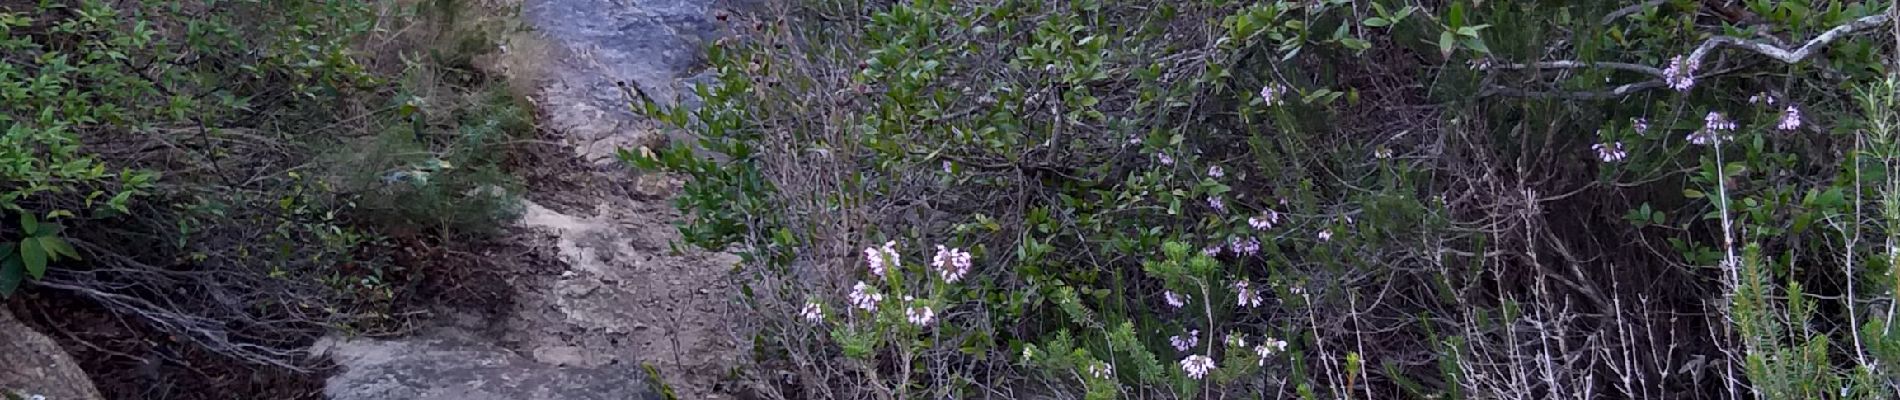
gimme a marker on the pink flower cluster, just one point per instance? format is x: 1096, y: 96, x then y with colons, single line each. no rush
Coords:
x: 1175, y: 300
x: 1712, y: 130
x: 1197, y: 366
x: 881, y: 258
x: 1270, y: 95
x: 1681, y: 73
x: 951, y: 263
x: 1244, y: 247
x: 1790, y: 119
x: 864, y: 297
x: 1185, y: 341
x: 1610, y: 152
x: 918, y: 315
x: 1265, y: 220
x: 1246, y: 295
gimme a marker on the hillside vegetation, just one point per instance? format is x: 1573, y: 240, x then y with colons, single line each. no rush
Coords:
x: 1306, y: 199
x: 228, y: 180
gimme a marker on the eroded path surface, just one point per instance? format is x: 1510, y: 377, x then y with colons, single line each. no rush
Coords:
x: 622, y: 296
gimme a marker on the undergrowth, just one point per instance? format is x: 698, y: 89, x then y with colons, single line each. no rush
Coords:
x: 1312, y: 199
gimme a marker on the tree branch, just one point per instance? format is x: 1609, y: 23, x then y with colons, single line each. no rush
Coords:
x: 1779, y: 53
x: 1626, y: 11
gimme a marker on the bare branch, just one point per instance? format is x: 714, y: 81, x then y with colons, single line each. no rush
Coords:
x: 1783, y: 54
x: 1566, y: 64
x: 1773, y: 51
x: 1626, y: 11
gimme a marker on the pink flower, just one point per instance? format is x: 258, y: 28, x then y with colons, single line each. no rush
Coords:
x: 1267, y: 347
x: 951, y: 263
x: 1164, y: 158
x: 920, y: 315
x: 1217, y: 204
x: 1247, y: 296
x: 1610, y: 152
x: 1197, y: 366
x: 1270, y: 95
x: 1215, y: 171
x: 864, y: 297
x: 1681, y: 74
x: 1246, y: 247
x: 1211, y: 251
x: 1265, y: 220
x: 1790, y: 119
x: 1175, y: 300
x: 1186, y: 341
x: 813, y: 312
x: 1640, y: 125
x: 1712, y: 127
x: 880, y: 259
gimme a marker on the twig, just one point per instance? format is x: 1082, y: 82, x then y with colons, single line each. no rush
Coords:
x: 1626, y: 11
x: 1644, y: 69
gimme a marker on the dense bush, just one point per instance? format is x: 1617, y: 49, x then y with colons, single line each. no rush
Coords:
x: 232, y: 172
x: 1322, y: 199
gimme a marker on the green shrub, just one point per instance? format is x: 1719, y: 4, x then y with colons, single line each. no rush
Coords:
x: 212, y: 161
x: 1425, y: 200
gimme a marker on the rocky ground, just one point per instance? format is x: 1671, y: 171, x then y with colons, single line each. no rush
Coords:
x: 623, y: 296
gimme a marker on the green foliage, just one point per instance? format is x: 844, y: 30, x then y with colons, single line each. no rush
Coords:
x: 1372, y: 183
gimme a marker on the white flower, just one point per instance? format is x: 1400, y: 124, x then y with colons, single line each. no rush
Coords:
x: 951, y: 263
x: 1247, y: 247
x: 1236, y: 340
x: 1640, y: 125
x: 1216, y: 172
x: 1197, y: 365
x: 1382, y: 153
x: 1102, y: 370
x: 920, y: 316
x: 1186, y: 341
x: 881, y: 258
x: 1175, y: 300
x: 36, y: 397
x: 1028, y: 353
x: 813, y: 312
x: 863, y: 297
x: 1790, y: 119
x: 1265, y: 220
x: 1164, y: 158
x: 1246, y: 295
x: 1610, y: 152
x: 1326, y: 235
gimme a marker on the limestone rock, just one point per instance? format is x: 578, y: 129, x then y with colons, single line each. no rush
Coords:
x: 443, y: 369
x: 32, y: 364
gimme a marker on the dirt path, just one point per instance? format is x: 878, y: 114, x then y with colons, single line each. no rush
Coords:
x: 623, y: 296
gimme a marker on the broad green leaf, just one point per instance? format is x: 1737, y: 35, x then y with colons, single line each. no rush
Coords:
x: 29, y: 224
x: 1445, y: 42
x: 34, y: 256
x: 58, y: 247
x: 11, y: 274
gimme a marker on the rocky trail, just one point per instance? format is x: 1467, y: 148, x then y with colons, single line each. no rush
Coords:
x: 621, y: 297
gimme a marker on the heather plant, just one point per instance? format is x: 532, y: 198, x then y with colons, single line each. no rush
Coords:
x: 1316, y: 199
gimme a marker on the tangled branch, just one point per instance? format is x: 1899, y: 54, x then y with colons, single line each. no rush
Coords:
x: 1779, y: 53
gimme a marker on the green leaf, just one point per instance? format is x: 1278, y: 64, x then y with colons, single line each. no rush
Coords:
x: 1445, y: 42
x: 1378, y: 22
x: 1692, y: 193
x: 58, y: 247
x: 11, y: 274
x: 34, y: 256
x: 29, y: 224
